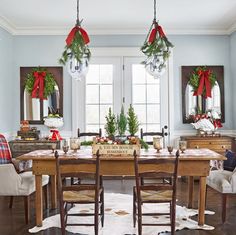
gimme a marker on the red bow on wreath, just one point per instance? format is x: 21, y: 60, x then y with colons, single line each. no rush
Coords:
x: 72, y: 33
x: 204, y: 81
x: 38, y: 88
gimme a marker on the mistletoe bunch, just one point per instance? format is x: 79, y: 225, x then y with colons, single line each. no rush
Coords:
x: 76, y: 46
x: 157, y: 45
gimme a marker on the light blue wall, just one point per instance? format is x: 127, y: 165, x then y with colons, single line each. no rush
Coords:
x: 201, y: 50
x: 188, y: 50
x: 6, y: 82
x: 233, y: 74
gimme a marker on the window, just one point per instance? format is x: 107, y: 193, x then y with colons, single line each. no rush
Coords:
x: 116, y: 80
x: 99, y: 95
x: 146, y: 98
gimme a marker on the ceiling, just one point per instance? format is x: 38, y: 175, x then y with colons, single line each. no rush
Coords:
x: 57, y: 17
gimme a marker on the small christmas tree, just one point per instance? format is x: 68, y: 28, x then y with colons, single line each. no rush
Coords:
x: 133, y: 123
x: 121, y: 122
x: 110, y: 126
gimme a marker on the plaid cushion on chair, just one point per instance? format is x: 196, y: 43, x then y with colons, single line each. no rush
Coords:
x: 5, y: 152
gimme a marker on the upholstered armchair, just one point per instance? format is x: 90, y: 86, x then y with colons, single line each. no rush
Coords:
x: 23, y: 184
x: 224, y: 182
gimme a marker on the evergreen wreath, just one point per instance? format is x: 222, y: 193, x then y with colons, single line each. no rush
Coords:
x: 195, y: 77
x: 49, y: 82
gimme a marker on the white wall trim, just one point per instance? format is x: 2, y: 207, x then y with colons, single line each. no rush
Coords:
x: 8, y: 26
x: 42, y: 30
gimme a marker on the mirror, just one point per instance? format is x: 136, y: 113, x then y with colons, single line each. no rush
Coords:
x: 190, y: 103
x: 33, y: 109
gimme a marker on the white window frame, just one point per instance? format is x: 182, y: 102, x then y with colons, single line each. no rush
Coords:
x: 78, y: 88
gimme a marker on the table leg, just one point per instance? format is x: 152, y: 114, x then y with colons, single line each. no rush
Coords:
x: 53, y: 191
x: 38, y: 200
x: 202, y: 200
x: 190, y: 191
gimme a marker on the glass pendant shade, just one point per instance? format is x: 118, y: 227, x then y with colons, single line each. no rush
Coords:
x: 155, y: 66
x: 78, y: 69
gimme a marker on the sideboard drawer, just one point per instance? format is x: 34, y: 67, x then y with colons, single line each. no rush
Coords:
x: 20, y: 147
x: 218, y: 144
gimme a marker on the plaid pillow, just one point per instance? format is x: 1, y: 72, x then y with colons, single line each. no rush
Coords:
x: 5, y: 153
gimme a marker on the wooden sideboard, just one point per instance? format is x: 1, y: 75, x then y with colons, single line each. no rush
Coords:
x: 216, y: 143
x: 20, y: 147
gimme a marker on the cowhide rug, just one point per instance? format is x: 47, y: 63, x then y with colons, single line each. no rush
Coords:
x: 118, y: 218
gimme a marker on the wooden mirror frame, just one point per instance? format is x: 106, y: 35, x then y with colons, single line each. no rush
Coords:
x: 57, y: 71
x: 219, y: 71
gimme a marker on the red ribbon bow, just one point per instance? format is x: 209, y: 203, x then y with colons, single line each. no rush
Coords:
x: 204, y: 81
x: 217, y: 123
x: 153, y: 34
x: 72, y: 33
x: 38, y: 88
x: 55, y: 135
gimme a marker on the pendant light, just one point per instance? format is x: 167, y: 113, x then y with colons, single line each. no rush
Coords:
x: 156, y: 48
x: 77, y: 54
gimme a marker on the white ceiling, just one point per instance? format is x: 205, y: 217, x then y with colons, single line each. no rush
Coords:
x: 57, y: 17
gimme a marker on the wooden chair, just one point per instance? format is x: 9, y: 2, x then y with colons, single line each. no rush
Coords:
x: 86, y: 193
x: 162, y: 134
x: 162, y: 192
x: 90, y: 134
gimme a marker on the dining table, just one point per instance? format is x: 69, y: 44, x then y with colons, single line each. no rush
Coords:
x: 192, y: 163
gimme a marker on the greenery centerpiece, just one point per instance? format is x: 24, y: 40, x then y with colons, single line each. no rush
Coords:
x: 121, y: 124
x: 133, y: 123
x: 110, y: 125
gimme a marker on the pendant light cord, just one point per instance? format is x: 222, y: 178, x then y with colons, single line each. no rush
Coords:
x: 155, y: 11
x: 77, y: 20
x: 154, y: 20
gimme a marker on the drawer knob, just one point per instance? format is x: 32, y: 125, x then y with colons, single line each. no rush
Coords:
x: 196, y: 147
x: 223, y: 146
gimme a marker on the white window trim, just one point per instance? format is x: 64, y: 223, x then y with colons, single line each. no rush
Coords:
x: 78, y: 87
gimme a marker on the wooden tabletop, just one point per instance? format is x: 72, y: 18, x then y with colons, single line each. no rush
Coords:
x: 189, y: 154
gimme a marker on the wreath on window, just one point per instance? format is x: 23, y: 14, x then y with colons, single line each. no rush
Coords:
x: 202, y: 80
x: 40, y: 83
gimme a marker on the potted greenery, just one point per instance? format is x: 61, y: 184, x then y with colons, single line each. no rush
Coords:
x: 110, y: 125
x: 133, y: 123
x: 121, y: 125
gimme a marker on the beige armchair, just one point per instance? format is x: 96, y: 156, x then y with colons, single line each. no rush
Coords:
x: 225, y: 183
x: 23, y: 184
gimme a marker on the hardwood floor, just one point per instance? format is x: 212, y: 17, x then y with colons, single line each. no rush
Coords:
x: 12, y: 220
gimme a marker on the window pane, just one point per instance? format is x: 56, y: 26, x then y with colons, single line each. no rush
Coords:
x: 139, y: 94
x: 106, y: 73
x: 153, y: 93
x: 106, y: 94
x: 104, y: 109
x: 154, y: 127
x: 92, y: 94
x: 92, y: 114
x: 151, y: 79
x: 93, y: 74
x: 140, y: 111
x: 138, y: 73
x: 153, y: 113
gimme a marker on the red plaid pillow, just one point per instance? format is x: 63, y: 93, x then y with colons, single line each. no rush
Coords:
x: 5, y: 152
